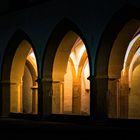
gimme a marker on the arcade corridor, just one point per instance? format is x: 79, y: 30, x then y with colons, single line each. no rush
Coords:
x: 69, y: 65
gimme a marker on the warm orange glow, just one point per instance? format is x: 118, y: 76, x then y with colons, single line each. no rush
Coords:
x: 71, y: 89
x: 68, y: 90
x: 22, y: 79
x: 132, y: 54
x: 130, y: 46
x: 135, y: 57
x: 86, y: 75
x: 76, y: 54
x: 85, y: 89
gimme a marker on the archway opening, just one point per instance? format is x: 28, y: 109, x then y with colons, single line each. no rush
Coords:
x: 123, y: 73
x: 23, y: 76
x: 70, y: 86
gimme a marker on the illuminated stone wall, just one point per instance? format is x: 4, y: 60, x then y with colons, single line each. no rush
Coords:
x: 68, y: 84
x: 27, y: 91
x: 85, y: 89
x: 123, y: 77
x: 21, y: 78
x: 134, y: 95
x: 72, y: 96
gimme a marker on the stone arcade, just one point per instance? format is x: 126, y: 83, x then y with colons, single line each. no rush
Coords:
x: 70, y: 58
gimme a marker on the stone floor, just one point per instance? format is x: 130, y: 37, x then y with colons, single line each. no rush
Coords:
x: 22, y: 128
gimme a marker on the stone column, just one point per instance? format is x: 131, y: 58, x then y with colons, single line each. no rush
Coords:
x: 45, y: 93
x: 99, y: 96
x: 113, y: 98
x: 40, y: 96
x: 16, y: 96
x: 92, y: 97
x: 76, y: 97
x: 124, y: 92
x: 124, y: 102
x: 5, y: 98
x: 20, y: 98
x: 61, y: 97
x: 34, y: 99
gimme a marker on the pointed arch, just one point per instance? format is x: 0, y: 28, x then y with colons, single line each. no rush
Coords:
x: 116, y: 25
x: 10, y: 50
x: 65, y: 33
x: 110, y: 57
x: 60, y: 30
x: 14, y: 49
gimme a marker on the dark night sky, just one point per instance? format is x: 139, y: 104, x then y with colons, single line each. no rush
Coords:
x: 8, y: 5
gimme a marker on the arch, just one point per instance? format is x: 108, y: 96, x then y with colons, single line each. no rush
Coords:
x: 131, y: 50
x: 61, y: 29
x: 32, y: 69
x: 107, y: 40
x: 136, y: 63
x: 29, y: 88
x: 12, y: 45
x: 120, y: 88
x: 18, y: 47
x: 65, y: 33
x: 120, y: 46
x: 62, y: 56
x: 110, y: 58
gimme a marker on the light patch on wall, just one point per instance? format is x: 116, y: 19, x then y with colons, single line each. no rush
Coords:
x: 129, y: 48
x: 86, y: 74
x: 31, y: 57
x: 76, y: 55
x: 135, y: 57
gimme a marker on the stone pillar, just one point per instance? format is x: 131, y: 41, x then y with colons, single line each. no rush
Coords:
x: 45, y: 97
x: 34, y: 99
x: 124, y: 92
x: 16, y: 96
x: 124, y: 103
x: 92, y: 97
x: 5, y: 98
x: 61, y: 97
x: 76, y: 100
x: 99, y: 97
x: 40, y: 96
x: 9, y: 103
x: 56, y: 97
x: 113, y: 98
x: 20, y: 98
